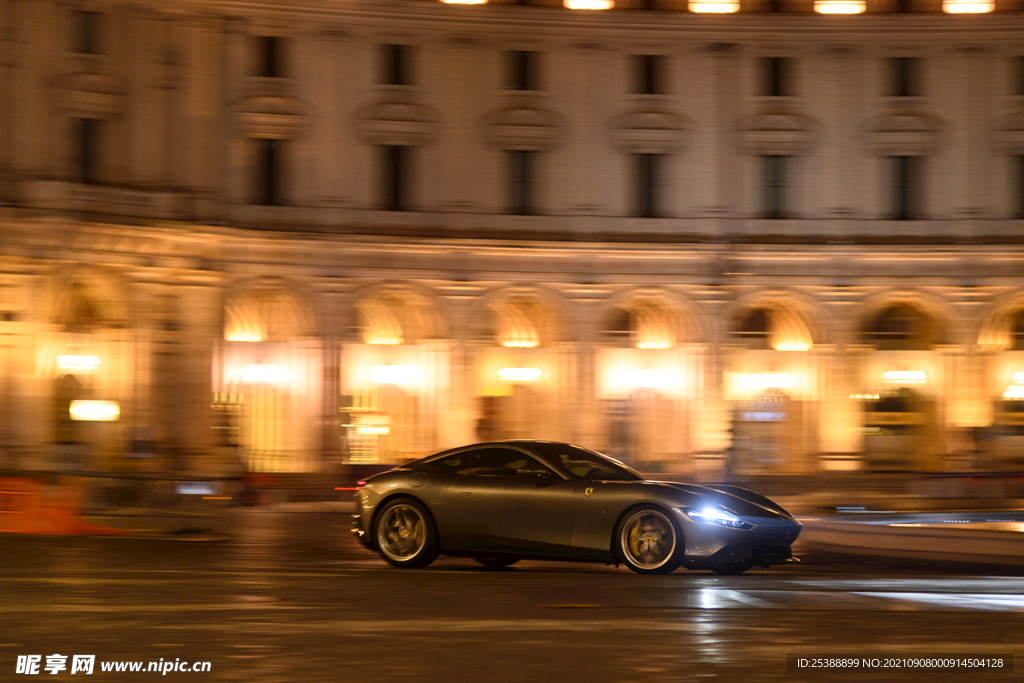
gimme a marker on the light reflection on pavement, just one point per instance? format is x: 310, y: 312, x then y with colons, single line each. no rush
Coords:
x: 290, y: 597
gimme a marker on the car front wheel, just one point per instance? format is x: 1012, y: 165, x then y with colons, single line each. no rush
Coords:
x: 405, y: 534
x: 649, y: 542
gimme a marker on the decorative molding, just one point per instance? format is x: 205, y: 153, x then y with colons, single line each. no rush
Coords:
x: 650, y: 131
x: 90, y: 95
x: 904, y: 134
x: 397, y: 122
x: 269, y: 111
x: 776, y: 133
x: 524, y: 126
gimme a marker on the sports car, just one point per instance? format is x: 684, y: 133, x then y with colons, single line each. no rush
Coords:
x: 503, y: 501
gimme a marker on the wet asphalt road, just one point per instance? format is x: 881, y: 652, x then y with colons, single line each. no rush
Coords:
x: 291, y: 597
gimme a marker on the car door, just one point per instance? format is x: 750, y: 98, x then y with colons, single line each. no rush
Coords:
x: 505, y: 504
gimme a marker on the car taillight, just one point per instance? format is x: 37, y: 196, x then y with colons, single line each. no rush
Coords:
x: 360, y: 485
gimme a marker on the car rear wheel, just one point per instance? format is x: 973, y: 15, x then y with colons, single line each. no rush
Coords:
x: 496, y: 562
x: 405, y: 534
x: 649, y: 542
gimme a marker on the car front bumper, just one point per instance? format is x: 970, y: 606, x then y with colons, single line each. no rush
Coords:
x: 767, y: 542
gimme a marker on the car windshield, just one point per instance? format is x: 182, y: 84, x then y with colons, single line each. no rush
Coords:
x: 584, y: 464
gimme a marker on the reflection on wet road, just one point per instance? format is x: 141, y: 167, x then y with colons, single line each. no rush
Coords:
x: 290, y: 597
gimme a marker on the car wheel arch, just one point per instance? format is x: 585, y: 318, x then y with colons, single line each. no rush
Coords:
x: 384, y: 502
x: 680, y: 538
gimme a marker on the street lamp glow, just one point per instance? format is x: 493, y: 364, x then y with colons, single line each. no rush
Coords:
x: 839, y: 6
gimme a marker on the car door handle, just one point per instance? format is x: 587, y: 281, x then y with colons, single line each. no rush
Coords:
x: 465, y: 494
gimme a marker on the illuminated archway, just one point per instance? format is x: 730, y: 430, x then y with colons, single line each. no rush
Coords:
x: 395, y: 375
x: 88, y: 356
x: 268, y: 382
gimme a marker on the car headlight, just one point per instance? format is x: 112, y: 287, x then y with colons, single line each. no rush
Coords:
x: 716, y: 515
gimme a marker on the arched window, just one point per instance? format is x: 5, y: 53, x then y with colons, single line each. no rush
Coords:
x: 901, y: 327
x: 754, y: 328
x: 645, y: 324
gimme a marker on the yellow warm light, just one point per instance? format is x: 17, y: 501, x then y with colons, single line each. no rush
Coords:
x: 792, y: 346
x: 95, y: 411
x: 774, y: 380
x: 590, y: 4
x: 370, y: 430
x: 520, y: 374
x: 904, y: 376
x: 78, y: 362
x: 393, y: 374
x: 715, y: 7
x: 967, y: 7
x: 520, y: 343
x: 391, y: 341
x: 244, y: 336
x: 1014, y: 392
x: 646, y: 379
x: 1018, y: 378
x: 864, y: 397
x: 660, y: 344
x: 264, y: 373
x: 464, y: 2
x: 839, y: 6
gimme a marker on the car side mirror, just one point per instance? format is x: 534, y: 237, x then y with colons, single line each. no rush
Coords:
x: 532, y: 474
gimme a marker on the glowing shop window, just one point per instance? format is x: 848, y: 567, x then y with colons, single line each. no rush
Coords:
x: 590, y: 4
x: 967, y: 7
x: 839, y: 6
x: 904, y: 377
x: 264, y: 373
x: 95, y: 411
x: 520, y: 374
x: 79, y: 363
x: 393, y: 374
x: 715, y: 7
x: 647, y: 379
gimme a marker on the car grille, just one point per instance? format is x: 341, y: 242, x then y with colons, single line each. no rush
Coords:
x: 776, y: 535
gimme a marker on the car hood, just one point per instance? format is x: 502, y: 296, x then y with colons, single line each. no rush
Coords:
x: 735, y: 499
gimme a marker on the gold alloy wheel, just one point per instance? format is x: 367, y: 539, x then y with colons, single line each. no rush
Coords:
x: 402, y: 532
x: 648, y: 539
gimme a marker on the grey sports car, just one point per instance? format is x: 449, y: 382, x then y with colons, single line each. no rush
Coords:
x: 504, y: 501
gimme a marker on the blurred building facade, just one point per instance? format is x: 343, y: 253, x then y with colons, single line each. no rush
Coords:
x: 329, y: 231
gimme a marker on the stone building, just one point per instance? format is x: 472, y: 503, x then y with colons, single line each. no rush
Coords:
x: 321, y: 231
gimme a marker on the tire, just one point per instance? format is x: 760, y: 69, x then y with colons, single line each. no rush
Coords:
x: 496, y: 562
x: 404, y: 534
x: 649, y: 541
x: 732, y: 569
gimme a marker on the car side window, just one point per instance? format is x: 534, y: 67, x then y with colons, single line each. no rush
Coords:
x: 457, y: 463
x: 503, y: 462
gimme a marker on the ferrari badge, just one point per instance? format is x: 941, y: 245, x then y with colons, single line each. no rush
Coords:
x: 588, y: 491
